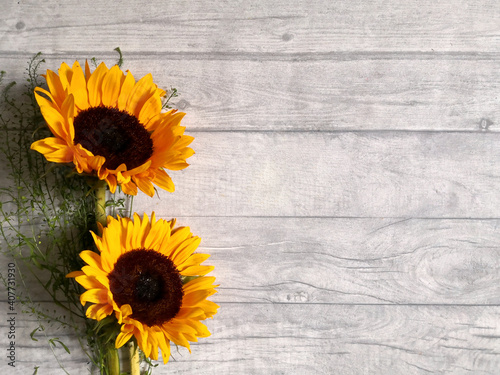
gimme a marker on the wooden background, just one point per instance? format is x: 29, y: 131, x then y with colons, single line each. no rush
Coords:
x: 346, y: 178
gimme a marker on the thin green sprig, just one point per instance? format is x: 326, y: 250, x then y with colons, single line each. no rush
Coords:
x: 47, y: 214
x: 172, y: 93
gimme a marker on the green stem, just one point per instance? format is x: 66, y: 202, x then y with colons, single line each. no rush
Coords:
x: 134, y: 359
x: 100, y: 204
x: 112, y: 361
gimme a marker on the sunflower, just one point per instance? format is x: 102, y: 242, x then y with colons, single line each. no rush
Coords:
x: 113, y: 127
x: 139, y: 276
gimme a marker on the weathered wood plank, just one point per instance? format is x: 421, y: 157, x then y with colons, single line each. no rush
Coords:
x: 393, y: 94
x: 256, y: 27
x: 314, y: 339
x: 364, y: 74
x: 346, y: 261
x: 353, y: 261
x: 337, y: 175
x: 390, y: 174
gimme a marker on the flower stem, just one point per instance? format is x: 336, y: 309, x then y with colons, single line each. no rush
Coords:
x: 134, y: 359
x: 100, y: 203
x: 112, y: 361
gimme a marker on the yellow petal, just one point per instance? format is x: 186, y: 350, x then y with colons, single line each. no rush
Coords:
x: 111, y: 86
x: 179, y: 235
x: 94, y: 85
x: 185, y: 141
x: 193, y: 298
x: 65, y: 74
x: 156, y: 235
x: 122, y: 339
x: 55, y: 87
x: 52, y: 102
x: 180, y: 325
x: 189, y: 312
x: 78, y: 87
x: 61, y: 154
x: 87, y: 71
x: 111, y: 240
x: 95, y: 296
x: 104, y: 311
x: 89, y: 282
x: 124, y: 312
x: 200, y: 328
x: 129, y: 188
x: 160, y: 92
x: 176, y: 336
x: 92, y: 259
x: 96, y: 163
x: 81, y: 157
x: 163, y: 140
x: 163, y: 180
x: 74, y: 274
x: 55, y: 121
x: 209, y: 307
x: 137, y: 237
x: 145, y: 185
x: 164, y: 345
x: 141, y: 168
x: 150, y: 109
x: 96, y: 272
x: 126, y: 89
x: 111, y: 180
x: 130, y: 232
x: 68, y: 112
x: 49, y: 146
x: 197, y: 270
x: 141, y: 92
x: 92, y: 311
x: 97, y: 240
x: 185, y: 250
x: 193, y: 260
x: 142, y: 341
x: 200, y: 283
x: 176, y: 166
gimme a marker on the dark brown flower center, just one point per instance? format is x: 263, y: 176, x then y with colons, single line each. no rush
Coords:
x: 150, y: 283
x: 114, y: 134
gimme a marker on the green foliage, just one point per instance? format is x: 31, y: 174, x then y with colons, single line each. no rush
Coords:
x: 47, y: 212
x: 172, y: 93
x: 120, y: 59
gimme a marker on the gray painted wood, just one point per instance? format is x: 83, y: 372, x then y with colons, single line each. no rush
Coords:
x: 348, y: 261
x: 369, y: 93
x: 347, y: 174
x: 257, y: 338
x: 379, y: 174
x: 256, y: 26
x: 345, y: 179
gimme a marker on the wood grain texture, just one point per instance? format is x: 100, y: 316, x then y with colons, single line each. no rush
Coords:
x: 315, y: 339
x: 345, y: 180
x: 377, y: 93
x: 367, y: 174
x: 337, y: 175
x: 257, y: 26
x: 346, y: 261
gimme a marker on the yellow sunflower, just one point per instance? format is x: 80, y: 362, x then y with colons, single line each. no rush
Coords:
x: 138, y: 277
x: 113, y: 127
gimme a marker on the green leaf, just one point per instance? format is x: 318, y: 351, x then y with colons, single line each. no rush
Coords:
x: 32, y: 334
x: 56, y: 340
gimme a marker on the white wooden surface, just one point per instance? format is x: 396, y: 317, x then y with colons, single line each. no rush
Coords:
x: 346, y: 178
